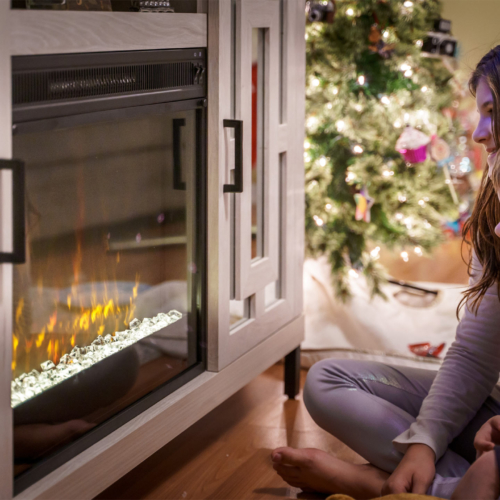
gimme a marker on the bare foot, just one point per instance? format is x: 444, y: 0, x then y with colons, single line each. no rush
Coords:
x: 314, y: 470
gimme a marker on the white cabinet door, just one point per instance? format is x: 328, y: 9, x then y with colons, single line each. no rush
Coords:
x: 255, y: 167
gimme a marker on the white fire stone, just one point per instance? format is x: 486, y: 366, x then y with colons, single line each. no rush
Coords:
x: 33, y: 383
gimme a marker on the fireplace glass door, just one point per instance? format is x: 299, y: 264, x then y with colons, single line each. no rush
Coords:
x: 107, y: 305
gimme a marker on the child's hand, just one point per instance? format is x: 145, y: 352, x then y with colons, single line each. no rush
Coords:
x: 488, y: 436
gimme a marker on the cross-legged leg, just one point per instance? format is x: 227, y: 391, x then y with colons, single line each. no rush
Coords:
x: 366, y: 405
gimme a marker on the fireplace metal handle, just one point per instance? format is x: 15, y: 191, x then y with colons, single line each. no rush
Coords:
x: 18, y: 256
x: 237, y: 187
x: 179, y: 184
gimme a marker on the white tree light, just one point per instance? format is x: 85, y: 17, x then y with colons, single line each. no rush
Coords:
x: 350, y: 177
x: 318, y: 220
x: 361, y: 79
x: 357, y: 149
x: 340, y: 125
x: 405, y: 256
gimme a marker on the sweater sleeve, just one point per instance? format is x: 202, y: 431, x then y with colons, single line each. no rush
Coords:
x: 467, y: 376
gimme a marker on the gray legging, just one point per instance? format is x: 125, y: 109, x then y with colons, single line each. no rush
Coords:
x: 367, y: 404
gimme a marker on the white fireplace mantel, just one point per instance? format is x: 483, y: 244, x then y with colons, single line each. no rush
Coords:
x: 61, y: 32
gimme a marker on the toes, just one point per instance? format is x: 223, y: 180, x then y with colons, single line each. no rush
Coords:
x: 291, y: 456
x: 276, y: 454
x: 287, y: 471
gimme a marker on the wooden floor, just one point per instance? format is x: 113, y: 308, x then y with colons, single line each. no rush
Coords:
x: 226, y: 455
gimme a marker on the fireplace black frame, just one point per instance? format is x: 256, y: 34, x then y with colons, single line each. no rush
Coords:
x: 46, y: 117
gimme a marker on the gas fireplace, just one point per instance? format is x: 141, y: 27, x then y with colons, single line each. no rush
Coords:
x: 109, y: 284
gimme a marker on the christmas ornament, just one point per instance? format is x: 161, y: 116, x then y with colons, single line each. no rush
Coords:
x: 377, y: 43
x: 439, y: 149
x: 412, y: 144
x: 364, y: 203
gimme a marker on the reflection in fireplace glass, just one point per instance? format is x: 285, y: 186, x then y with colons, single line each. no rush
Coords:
x: 104, y: 307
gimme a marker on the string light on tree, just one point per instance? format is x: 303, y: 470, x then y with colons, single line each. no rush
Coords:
x: 350, y: 12
x: 357, y: 149
x: 361, y: 79
x: 405, y: 256
x: 350, y: 177
x: 418, y: 251
x: 340, y: 125
x: 319, y: 221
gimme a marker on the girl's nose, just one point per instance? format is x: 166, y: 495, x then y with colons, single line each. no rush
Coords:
x: 482, y: 134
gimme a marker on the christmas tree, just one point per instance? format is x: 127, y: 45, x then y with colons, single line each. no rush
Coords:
x: 368, y: 84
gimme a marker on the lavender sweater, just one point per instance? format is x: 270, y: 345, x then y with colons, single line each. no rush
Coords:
x: 467, y: 376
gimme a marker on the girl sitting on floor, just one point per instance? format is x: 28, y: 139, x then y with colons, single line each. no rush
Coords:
x: 416, y: 428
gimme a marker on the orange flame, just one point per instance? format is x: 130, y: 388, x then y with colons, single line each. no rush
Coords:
x: 39, y: 339
x: 56, y: 352
x: 28, y: 344
x: 52, y: 322
x: 19, y: 309
x: 15, y: 343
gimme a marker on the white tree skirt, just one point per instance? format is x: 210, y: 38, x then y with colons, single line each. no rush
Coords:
x: 375, y: 329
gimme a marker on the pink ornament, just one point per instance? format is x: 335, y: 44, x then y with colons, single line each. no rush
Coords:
x: 412, y: 144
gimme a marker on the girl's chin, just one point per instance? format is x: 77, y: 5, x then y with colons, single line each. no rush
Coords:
x: 492, y: 160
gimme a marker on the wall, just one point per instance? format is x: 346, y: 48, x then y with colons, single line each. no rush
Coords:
x: 476, y: 25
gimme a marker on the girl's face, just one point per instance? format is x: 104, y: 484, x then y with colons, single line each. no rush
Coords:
x: 483, y: 133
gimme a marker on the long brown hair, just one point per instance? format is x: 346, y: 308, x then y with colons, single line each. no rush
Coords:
x: 479, y: 230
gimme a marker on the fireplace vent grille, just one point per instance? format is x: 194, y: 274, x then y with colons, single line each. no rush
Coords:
x: 56, y: 85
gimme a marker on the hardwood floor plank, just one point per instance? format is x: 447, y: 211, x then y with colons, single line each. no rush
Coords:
x: 226, y: 455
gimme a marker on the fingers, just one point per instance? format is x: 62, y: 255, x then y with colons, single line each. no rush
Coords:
x: 394, y: 486
x: 484, y: 445
x: 420, y: 485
